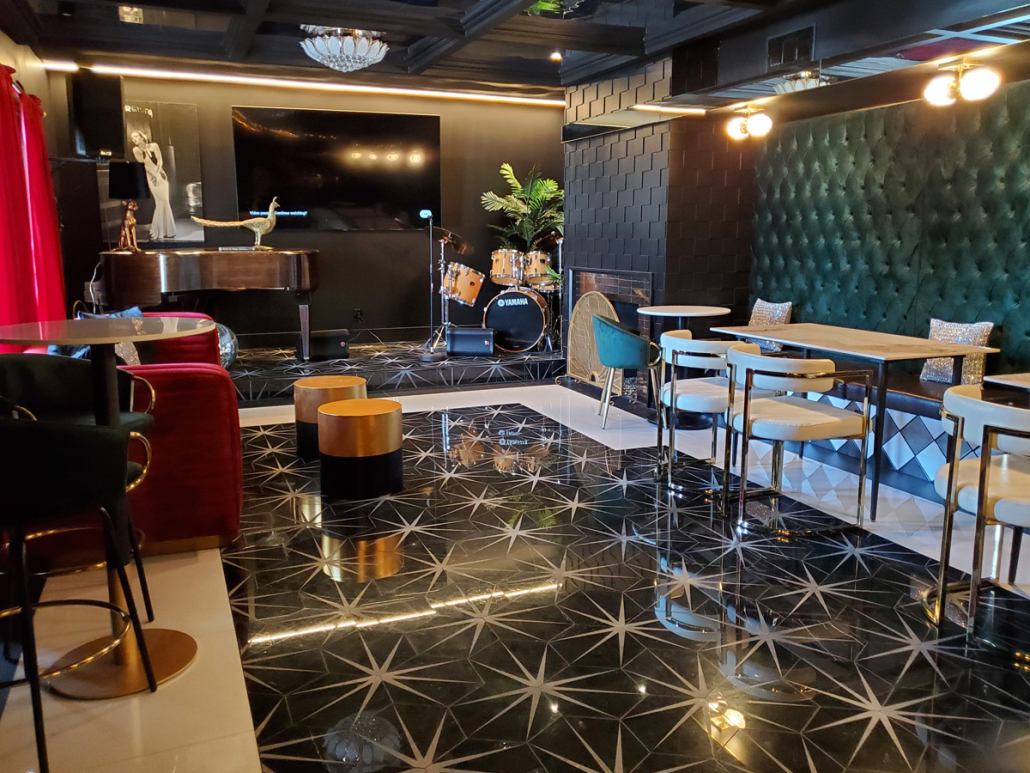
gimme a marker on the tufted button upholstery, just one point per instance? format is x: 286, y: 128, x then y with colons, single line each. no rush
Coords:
x: 882, y: 219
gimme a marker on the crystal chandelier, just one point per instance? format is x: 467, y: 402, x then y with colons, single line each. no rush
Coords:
x: 801, y: 81
x: 342, y: 49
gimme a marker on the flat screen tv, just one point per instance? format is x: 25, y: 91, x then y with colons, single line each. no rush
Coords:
x: 337, y: 171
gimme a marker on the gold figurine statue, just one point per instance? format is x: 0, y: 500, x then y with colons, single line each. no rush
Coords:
x: 127, y: 238
x: 259, y: 225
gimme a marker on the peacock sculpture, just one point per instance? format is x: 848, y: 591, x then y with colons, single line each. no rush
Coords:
x: 259, y: 225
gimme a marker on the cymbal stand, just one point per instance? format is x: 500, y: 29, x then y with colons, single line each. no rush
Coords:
x: 433, y: 353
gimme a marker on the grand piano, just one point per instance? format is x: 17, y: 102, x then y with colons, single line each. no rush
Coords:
x: 146, y: 277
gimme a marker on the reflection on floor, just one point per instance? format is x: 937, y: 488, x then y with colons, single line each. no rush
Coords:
x: 268, y: 374
x: 532, y: 603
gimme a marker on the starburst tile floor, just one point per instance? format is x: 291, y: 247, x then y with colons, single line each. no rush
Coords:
x: 531, y: 603
x: 268, y: 374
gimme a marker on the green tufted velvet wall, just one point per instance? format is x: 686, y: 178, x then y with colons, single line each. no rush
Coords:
x: 884, y: 218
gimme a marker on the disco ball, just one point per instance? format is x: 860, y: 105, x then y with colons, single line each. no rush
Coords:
x: 361, y: 744
x: 228, y: 346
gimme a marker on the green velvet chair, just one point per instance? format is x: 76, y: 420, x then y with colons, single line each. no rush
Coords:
x: 49, y: 470
x: 60, y: 389
x: 620, y: 347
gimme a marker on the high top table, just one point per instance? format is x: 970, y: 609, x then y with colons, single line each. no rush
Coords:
x: 121, y: 671
x: 881, y: 349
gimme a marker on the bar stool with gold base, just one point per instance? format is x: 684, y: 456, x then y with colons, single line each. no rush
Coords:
x: 359, y: 443
x: 48, y: 470
x: 310, y: 394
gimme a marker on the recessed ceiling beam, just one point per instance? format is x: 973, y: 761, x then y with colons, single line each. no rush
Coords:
x: 242, y: 30
x: 482, y: 17
x: 569, y: 35
x: 381, y: 16
x: 212, y: 7
x: 19, y: 21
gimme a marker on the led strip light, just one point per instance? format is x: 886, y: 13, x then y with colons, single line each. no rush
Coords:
x: 293, y: 83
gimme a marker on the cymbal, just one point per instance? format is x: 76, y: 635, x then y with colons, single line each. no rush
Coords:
x: 550, y: 241
x: 452, y: 239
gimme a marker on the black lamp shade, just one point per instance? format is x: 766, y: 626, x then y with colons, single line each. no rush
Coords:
x: 128, y: 181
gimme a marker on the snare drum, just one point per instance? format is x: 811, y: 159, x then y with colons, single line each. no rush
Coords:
x: 537, y: 265
x: 462, y: 284
x: 507, y: 267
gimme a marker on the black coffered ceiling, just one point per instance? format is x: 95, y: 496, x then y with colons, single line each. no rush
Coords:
x: 500, y: 44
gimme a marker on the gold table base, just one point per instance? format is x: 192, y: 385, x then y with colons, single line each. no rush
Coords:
x: 171, y: 652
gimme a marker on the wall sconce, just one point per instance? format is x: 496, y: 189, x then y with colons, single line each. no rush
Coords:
x: 970, y: 81
x: 752, y: 123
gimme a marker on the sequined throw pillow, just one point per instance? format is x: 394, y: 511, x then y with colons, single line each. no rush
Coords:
x: 974, y: 334
x: 765, y: 313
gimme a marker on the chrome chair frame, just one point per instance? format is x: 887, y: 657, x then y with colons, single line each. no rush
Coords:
x: 777, y: 468
x: 671, y: 419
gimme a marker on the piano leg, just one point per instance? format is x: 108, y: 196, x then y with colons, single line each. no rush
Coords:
x: 304, y: 301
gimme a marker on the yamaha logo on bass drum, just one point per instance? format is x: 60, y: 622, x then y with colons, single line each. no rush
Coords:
x: 513, y: 301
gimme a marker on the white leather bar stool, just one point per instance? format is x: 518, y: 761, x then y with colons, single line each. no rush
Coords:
x: 792, y: 417
x: 995, y: 487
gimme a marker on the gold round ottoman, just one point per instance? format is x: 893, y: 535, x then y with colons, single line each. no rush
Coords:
x: 359, y: 444
x: 309, y: 394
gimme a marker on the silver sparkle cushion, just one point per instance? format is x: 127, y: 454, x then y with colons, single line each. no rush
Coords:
x: 765, y: 313
x: 974, y: 334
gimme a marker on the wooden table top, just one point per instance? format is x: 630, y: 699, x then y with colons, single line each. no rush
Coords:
x: 103, y: 330
x: 1014, y: 380
x: 851, y: 342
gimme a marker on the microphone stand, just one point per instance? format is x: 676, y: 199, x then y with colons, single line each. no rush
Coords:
x: 431, y: 353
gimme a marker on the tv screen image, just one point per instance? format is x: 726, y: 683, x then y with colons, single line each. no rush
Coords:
x: 337, y: 171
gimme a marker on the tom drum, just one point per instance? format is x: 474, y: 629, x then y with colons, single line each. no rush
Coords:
x: 462, y: 284
x: 507, y: 267
x: 538, y: 266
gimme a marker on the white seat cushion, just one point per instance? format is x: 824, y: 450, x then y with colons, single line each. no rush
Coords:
x: 706, y: 395
x: 1008, y: 488
x: 797, y: 419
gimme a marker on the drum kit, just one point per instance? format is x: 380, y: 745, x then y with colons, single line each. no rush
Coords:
x: 522, y: 315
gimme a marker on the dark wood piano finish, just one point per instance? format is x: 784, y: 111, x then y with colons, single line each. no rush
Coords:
x: 145, y: 277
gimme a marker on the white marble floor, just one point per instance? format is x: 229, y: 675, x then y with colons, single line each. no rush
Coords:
x: 201, y: 722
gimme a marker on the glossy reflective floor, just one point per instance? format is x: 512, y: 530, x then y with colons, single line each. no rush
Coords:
x: 531, y: 603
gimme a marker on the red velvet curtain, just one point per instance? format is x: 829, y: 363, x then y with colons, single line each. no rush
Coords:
x: 31, y: 281
x: 17, y: 283
x: 48, y: 271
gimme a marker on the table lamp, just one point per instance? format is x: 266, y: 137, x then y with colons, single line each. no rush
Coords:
x: 127, y: 180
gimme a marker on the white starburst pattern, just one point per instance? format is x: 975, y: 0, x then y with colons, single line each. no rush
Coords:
x: 478, y: 617
x: 891, y: 716
x: 435, y: 568
x: 428, y: 761
x: 534, y: 686
x: 762, y: 634
x: 511, y: 532
x: 915, y: 646
x: 618, y: 628
x: 617, y: 766
x: 808, y: 587
x: 373, y: 676
x: 562, y: 576
x: 690, y: 698
x: 484, y: 498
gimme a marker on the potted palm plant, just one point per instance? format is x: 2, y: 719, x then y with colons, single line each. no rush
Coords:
x: 533, y: 209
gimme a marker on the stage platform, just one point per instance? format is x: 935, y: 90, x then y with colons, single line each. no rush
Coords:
x: 264, y: 376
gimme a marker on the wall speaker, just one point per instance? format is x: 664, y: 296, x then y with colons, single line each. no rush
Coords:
x: 96, y: 117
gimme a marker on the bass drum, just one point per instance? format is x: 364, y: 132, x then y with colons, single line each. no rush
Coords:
x: 519, y: 319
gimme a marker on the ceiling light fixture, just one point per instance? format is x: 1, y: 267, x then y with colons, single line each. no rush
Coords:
x: 295, y: 84
x: 557, y: 55
x: 343, y: 50
x: 805, y: 80
x: 752, y: 123
x: 671, y: 110
x: 971, y: 81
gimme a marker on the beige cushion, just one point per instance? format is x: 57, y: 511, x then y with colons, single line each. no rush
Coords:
x: 1008, y: 488
x: 706, y: 395
x: 797, y: 419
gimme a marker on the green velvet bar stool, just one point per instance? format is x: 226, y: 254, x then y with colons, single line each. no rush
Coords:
x: 620, y: 347
x: 49, y: 470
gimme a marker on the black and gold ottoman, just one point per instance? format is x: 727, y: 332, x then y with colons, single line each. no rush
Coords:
x: 310, y: 394
x: 359, y: 443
